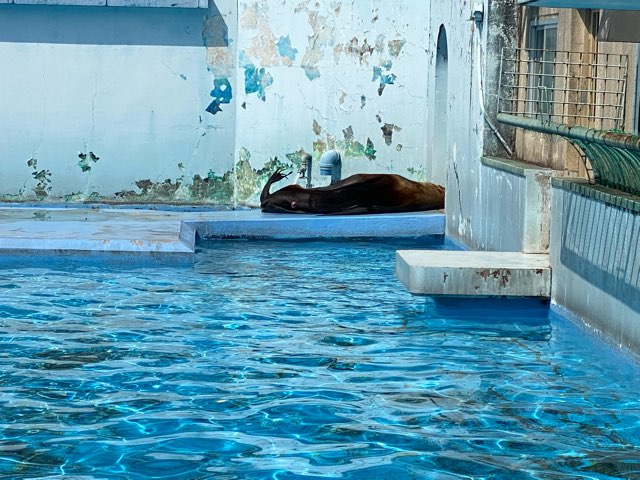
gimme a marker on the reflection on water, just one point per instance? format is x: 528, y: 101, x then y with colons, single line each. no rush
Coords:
x: 298, y: 360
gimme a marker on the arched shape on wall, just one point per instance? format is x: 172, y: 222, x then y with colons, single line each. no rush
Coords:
x: 440, y: 138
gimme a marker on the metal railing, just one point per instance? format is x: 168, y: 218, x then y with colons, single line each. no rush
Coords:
x: 571, y: 88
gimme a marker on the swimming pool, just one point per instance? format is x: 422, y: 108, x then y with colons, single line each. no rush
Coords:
x: 298, y: 360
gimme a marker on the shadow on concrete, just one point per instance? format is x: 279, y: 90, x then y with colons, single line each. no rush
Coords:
x: 75, y: 25
x: 601, y: 243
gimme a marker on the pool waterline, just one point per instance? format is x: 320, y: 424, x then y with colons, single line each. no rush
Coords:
x: 298, y: 360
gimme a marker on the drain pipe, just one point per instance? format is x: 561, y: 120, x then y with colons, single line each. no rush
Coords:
x: 331, y: 164
x: 478, y: 17
x: 307, y: 162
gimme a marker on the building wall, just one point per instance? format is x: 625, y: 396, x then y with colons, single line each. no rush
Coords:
x: 594, y: 254
x: 108, y: 102
x: 199, y: 106
x: 473, y: 81
x: 576, y: 33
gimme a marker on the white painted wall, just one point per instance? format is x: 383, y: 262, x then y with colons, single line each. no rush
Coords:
x: 130, y: 85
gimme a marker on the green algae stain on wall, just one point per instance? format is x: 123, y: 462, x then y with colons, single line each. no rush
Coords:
x: 250, y: 181
x: 216, y: 189
x: 353, y: 148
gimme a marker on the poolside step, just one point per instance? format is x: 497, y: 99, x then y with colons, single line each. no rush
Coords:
x: 465, y: 273
x: 127, y: 234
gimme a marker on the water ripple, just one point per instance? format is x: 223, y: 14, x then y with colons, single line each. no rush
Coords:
x: 298, y: 361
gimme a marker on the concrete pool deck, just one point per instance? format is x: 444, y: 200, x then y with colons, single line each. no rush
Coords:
x: 170, y: 234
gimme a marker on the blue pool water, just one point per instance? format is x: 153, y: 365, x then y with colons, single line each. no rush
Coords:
x: 282, y: 360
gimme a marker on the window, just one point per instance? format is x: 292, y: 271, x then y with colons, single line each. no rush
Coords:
x: 543, y: 43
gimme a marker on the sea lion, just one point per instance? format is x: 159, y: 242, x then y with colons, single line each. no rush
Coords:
x: 358, y: 194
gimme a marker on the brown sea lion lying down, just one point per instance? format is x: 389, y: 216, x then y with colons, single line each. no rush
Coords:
x: 357, y: 194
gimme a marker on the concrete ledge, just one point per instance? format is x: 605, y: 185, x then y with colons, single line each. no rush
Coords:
x: 606, y: 195
x: 516, y: 201
x: 516, y: 167
x: 292, y: 226
x: 471, y: 273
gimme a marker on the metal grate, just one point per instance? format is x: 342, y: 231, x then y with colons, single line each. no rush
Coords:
x: 572, y: 88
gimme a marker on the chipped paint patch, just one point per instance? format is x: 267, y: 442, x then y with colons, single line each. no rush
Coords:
x: 87, y: 160
x: 395, y: 47
x: 212, y: 188
x: 219, y: 56
x: 221, y: 93
x: 316, y: 128
x: 353, y: 148
x: 419, y: 174
x: 387, y: 132
x: 363, y: 52
x: 285, y: 49
x: 322, y: 36
x: 249, y: 181
x: 256, y: 80
x: 249, y: 16
x: 43, y: 179
x: 383, y: 78
x: 296, y: 157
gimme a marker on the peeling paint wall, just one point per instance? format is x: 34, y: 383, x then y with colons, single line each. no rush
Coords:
x: 116, y: 104
x: 132, y: 105
x: 350, y: 76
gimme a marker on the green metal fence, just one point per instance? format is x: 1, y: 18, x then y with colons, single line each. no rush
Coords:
x: 614, y: 157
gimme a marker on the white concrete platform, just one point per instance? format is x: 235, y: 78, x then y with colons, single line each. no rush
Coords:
x: 469, y: 273
x: 172, y: 233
